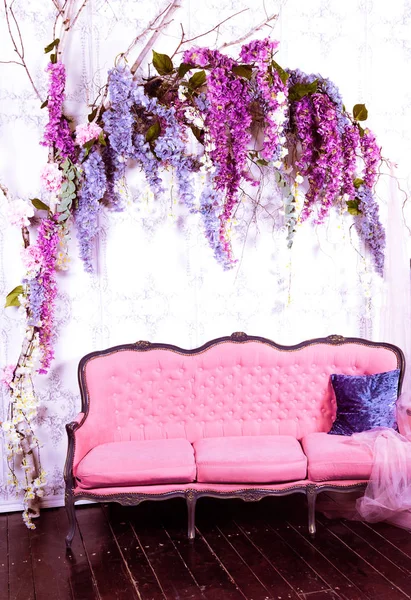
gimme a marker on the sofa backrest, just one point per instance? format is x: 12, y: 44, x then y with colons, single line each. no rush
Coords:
x: 237, y: 385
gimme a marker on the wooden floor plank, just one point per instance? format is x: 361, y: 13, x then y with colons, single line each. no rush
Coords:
x: 172, y: 573
x: 205, y: 565
x: 50, y: 569
x: 333, y: 575
x: 79, y: 573
x: 292, y: 567
x: 4, y: 558
x: 140, y: 569
x: 356, y: 569
x: 324, y: 595
x: 275, y: 584
x: 383, y: 546
x: 400, y: 538
x: 21, y: 582
x: 400, y: 581
x: 109, y: 570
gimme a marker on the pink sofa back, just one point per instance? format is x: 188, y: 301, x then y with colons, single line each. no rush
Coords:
x: 225, y: 388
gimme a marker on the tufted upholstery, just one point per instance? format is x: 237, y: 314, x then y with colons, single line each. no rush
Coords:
x: 228, y: 389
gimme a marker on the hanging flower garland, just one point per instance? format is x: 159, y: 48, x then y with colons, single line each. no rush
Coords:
x: 210, y: 115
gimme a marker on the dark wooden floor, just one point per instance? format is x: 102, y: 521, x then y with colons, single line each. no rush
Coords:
x: 258, y: 551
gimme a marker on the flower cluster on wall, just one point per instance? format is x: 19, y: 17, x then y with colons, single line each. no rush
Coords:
x: 235, y: 122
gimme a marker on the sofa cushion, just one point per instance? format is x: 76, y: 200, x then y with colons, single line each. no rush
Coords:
x: 137, y: 462
x: 336, y: 457
x: 365, y: 401
x: 250, y: 459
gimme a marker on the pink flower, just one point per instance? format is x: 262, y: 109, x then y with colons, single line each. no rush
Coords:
x: 32, y: 259
x: 85, y: 132
x: 51, y: 177
x: 7, y: 375
x: 19, y: 213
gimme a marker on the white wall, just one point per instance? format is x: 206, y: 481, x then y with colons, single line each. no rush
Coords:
x: 156, y: 277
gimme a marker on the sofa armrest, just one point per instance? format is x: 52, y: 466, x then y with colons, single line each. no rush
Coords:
x: 71, y: 434
x: 404, y: 420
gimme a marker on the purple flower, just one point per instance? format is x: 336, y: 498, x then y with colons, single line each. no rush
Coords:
x: 369, y: 226
x: 57, y: 131
x: 92, y: 191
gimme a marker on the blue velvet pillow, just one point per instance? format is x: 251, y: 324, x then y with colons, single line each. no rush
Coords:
x: 365, y: 401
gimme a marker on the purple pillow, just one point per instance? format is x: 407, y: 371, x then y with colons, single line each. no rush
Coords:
x: 365, y: 401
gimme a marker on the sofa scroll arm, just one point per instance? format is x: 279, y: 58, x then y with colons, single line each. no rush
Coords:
x: 69, y: 476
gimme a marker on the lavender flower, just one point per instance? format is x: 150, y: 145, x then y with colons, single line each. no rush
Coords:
x: 92, y: 191
x: 369, y: 226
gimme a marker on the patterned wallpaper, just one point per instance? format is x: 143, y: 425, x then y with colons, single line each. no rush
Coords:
x: 155, y: 276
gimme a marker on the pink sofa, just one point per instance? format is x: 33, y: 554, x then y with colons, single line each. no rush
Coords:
x: 240, y: 417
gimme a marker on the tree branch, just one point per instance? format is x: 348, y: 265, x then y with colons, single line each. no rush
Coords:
x: 166, y: 20
x: 183, y: 41
x: 250, y: 32
x: 19, y: 51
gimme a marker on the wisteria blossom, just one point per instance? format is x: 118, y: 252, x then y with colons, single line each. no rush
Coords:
x: 57, y: 132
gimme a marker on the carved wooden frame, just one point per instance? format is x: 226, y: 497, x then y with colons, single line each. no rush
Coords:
x: 191, y: 496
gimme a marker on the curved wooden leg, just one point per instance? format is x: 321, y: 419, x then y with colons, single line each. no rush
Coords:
x: 71, y: 515
x: 311, y: 497
x: 191, y: 509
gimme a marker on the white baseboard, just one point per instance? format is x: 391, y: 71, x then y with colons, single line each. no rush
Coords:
x: 56, y: 502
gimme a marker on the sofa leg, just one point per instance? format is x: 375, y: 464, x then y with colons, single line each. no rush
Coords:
x: 191, y: 509
x: 311, y: 497
x: 71, y: 515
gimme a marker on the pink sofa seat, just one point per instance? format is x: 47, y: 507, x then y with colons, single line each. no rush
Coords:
x: 250, y: 459
x: 137, y: 463
x: 335, y: 457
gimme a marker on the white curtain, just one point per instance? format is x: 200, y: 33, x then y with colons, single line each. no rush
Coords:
x: 156, y: 278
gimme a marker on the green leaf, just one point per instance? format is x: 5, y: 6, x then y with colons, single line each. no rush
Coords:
x: 51, y: 46
x: 184, y: 68
x: 153, y: 132
x: 283, y: 74
x: 64, y: 205
x: 360, y: 113
x: 101, y: 139
x: 162, y: 63
x: 53, y: 58
x: 197, y: 80
x: 71, y: 175
x: 352, y: 207
x: 262, y: 162
x: 299, y: 90
x: 39, y: 204
x: 92, y: 115
x: 45, y: 103
x: 71, y: 187
x: 88, y: 145
x: 243, y: 71
x: 198, y: 133
x: 12, y: 297
x: 63, y: 216
x: 358, y: 182
x: 361, y: 130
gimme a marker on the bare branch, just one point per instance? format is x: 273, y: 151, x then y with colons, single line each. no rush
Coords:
x: 173, y: 7
x: 144, y: 33
x: 207, y: 32
x: 250, y: 32
x: 19, y: 51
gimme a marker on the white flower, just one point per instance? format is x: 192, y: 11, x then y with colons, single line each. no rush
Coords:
x: 281, y: 97
x: 277, y: 164
x: 299, y: 179
x: 284, y: 152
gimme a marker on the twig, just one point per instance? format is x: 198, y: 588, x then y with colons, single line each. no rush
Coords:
x: 183, y: 41
x: 144, y: 33
x: 249, y: 33
x: 20, y: 52
x: 174, y: 6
